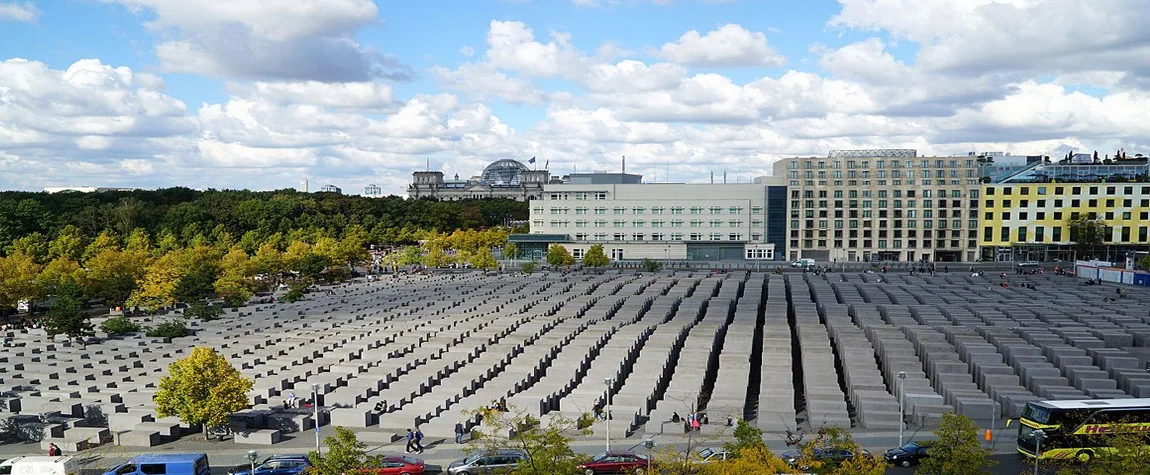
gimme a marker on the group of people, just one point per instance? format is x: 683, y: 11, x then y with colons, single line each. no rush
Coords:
x: 293, y: 402
x: 694, y: 420
x: 415, y: 441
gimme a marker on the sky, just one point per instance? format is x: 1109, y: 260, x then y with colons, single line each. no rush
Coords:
x: 260, y: 94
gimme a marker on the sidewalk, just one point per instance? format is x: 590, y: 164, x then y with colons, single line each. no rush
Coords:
x: 441, y: 452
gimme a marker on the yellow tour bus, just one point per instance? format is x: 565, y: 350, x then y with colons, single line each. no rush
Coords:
x: 1076, y: 429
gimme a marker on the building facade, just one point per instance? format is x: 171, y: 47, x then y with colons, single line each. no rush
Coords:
x: 331, y: 189
x: 372, y: 191
x: 501, y: 179
x: 881, y: 205
x: 1028, y: 218
x: 697, y: 222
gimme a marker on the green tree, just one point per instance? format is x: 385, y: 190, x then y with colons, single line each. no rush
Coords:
x: 557, y: 255
x: 484, y: 259
x: 235, y: 284
x: 105, y: 240
x: 56, y: 272
x: 18, y: 273
x: 651, y: 265
x: 510, y: 251
x: 200, y: 266
x: 528, y: 268
x: 1086, y: 234
x: 595, y: 257
x: 34, y: 245
x: 113, y: 274
x: 345, y: 454
x: 547, y: 445
x: 956, y: 449
x: 69, y: 243
x: 312, y: 266
x: 202, y: 389
x: 66, y: 315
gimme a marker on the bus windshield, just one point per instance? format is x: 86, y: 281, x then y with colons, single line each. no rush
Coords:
x: 1037, y: 414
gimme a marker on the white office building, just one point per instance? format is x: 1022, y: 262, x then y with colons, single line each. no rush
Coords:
x: 698, y: 222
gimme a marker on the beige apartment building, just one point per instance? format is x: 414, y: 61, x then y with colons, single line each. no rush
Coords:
x: 881, y: 205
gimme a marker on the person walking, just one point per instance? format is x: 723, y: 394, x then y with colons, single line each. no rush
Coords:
x: 410, y: 441
x: 458, y: 432
x: 53, y: 450
x: 418, y: 440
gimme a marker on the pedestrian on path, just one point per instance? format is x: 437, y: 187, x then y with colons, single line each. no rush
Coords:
x: 458, y: 432
x: 410, y: 441
x: 418, y: 440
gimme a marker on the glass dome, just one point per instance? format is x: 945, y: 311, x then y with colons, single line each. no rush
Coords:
x: 504, y: 172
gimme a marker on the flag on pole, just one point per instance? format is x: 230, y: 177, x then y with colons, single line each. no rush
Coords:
x: 532, y: 160
x: 546, y: 164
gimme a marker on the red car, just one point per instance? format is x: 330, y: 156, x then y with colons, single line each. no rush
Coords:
x: 396, y: 465
x: 615, y: 462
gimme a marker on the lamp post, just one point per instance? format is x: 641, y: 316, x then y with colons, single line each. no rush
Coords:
x: 1038, y: 436
x: 315, y: 406
x: 252, y: 456
x: 901, y: 405
x: 607, y: 383
x: 649, y: 443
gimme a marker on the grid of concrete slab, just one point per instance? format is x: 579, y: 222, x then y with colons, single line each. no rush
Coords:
x: 784, y: 351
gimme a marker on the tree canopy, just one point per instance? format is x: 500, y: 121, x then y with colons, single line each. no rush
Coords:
x: 595, y: 257
x: 547, y: 444
x: 956, y: 449
x: 202, y: 388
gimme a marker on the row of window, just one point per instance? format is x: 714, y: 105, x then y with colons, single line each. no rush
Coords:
x: 1074, y: 203
x: 882, y: 223
x: 656, y: 210
x: 882, y: 174
x: 1039, y: 234
x: 675, y: 223
x: 1057, y: 215
x: 579, y: 195
x: 880, y: 164
x: 640, y: 237
x: 884, y: 193
x: 897, y: 203
x: 883, y: 234
x: 895, y: 182
x: 1074, y: 190
x: 883, y: 243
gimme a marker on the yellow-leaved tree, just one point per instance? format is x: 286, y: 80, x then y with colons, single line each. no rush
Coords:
x: 202, y: 389
x: 235, y: 284
x: 158, y: 288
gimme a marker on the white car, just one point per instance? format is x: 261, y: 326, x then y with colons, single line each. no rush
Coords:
x: 804, y: 262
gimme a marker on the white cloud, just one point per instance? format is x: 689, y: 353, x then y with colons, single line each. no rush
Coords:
x: 467, y: 51
x: 730, y: 45
x: 17, y: 11
x: 483, y: 81
x: 258, y: 39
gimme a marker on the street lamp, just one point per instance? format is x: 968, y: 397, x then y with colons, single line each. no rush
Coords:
x: 315, y: 405
x: 1038, y: 436
x: 649, y: 443
x: 901, y: 405
x: 607, y: 383
x: 252, y: 456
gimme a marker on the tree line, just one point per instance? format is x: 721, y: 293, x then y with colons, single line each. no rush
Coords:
x: 247, y: 216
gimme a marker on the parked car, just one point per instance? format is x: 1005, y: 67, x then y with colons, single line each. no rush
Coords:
x: 285, y: 464
x: 499, y: 461
x: 829, y: 456
x: 804, y: 262
x: 40, y: 465
x: 168, y: 464
x: 615, y: 462
x: 395, y: 465
x: 908, y: 455
x: 711, y: 455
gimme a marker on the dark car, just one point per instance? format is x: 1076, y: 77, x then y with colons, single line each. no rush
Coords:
x: 395, y: 465
x: 292, y: 464
x: 829, y: 456
x: 615, y: 462
x: 908, y: 455
x: 499, y: 461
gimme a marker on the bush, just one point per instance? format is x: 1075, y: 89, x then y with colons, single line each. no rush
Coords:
x: 168, y: 329
x: 119, y: 326
x: 203, y: 311
x: 652, y: 266
x: 584, y: 421
x: 529, y: 268
x: 296, y: 289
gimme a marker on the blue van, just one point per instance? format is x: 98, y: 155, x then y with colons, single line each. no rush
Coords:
x: 164, y: 464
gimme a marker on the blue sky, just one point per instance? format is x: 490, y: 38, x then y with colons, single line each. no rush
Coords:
x: 202, y: 93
